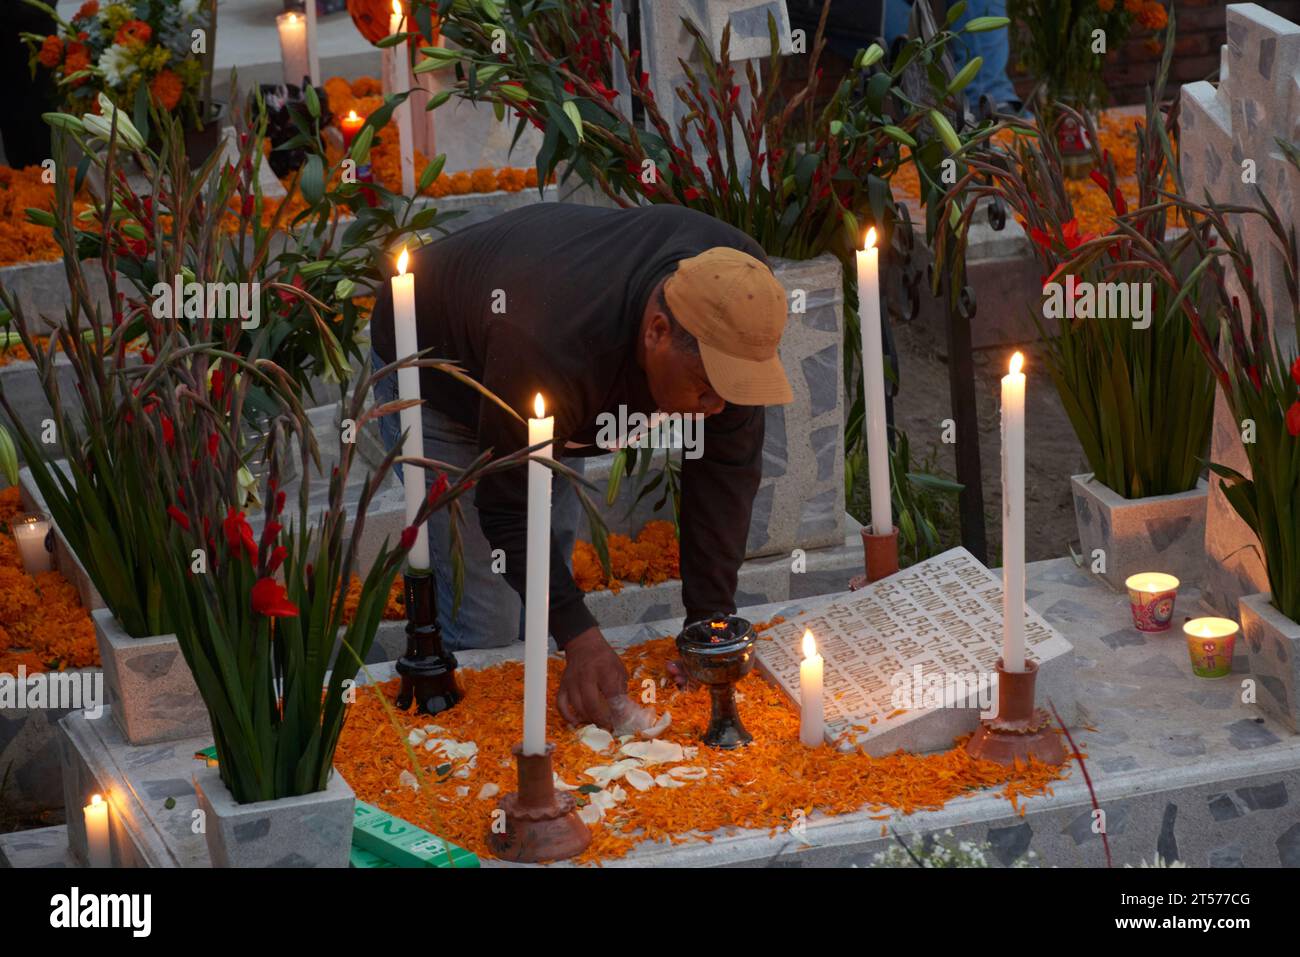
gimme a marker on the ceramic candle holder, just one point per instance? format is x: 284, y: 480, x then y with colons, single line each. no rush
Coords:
x: 1210, y: 643
x: 1151, y: 598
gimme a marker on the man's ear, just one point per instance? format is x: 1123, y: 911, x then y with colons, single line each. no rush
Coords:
x: 658, y: 329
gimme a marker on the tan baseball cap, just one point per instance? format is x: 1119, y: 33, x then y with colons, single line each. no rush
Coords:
x: 734, y: 307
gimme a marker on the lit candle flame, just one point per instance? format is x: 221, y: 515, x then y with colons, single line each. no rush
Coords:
x: 293, y: 18
x: 809, y: 644
x: 539, y: 407
x: 870, y: 241
x: 96, y: 799
x: 397, y: 8
x: 1017, y: 363
x: 402, y: 260
x: 352, y: 116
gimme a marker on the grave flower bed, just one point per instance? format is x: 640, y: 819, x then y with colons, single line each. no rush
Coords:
x: 1092, y: 207
x: 694, y: 793
x: 364, y: 96
x: 22, y: 241
x: 651, y: 558
x: 42, y: 622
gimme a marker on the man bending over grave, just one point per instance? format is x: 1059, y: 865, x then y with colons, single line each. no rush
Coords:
x: 606, y: 313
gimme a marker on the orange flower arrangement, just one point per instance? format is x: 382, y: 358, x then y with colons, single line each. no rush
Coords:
x: 167, y: 88
x: 652, y: 558
x: 87, y: 10
x: 77, y: 58
x: 133, y: 32
x: 42, y: 622
x: 761, y: 786
x: 51, y: 52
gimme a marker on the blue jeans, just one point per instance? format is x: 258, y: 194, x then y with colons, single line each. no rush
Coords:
x: 491, y: 612
x: 994, y: 46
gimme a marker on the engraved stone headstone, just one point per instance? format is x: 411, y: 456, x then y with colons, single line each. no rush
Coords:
x: 1228, y: 133
x: 939, y: 620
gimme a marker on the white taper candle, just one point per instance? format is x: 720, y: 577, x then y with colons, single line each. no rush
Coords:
x: 537, y: 592
x: 406, y: 343
x: 873, y: 384
x: 1013, y: 516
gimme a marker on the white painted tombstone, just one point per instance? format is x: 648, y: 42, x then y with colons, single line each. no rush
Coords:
x: 1224, y: 131
x: 942, y: 616
x: 665, y: 42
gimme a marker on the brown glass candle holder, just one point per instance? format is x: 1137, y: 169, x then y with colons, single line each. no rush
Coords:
x: 428, y: 671
x: 718, y: 652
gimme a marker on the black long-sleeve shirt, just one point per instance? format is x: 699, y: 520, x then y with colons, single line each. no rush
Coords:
x: 550, y: 298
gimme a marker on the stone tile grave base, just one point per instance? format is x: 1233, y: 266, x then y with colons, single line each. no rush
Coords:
x: 1180, y: 765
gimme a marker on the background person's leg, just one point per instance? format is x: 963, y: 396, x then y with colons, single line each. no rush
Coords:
x: 488, y: 615
x: 994, y: 46
x: 566, y: 516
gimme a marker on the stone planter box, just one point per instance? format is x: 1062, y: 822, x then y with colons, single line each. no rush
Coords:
x: 312, y: 830
x: 149, y: 685
x: 1160, y: 533
x: 1273, y: 649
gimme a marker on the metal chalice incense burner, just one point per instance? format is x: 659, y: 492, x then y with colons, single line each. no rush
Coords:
x: 718, y: 652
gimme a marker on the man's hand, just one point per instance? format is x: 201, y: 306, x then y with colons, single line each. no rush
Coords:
x: 593, y: 673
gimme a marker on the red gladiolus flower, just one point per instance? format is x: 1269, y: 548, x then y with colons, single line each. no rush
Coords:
x: 1293, y: 419
x: 218, y: 383
x: 690, y: 194
x: 1254, y: 378
x: 1295, y: 370
x: 178, y: 517
x: 269, y: 532
x: 168, y: 432
x: 1070, y: 232
x: 214, y: 440
x: 239, y: 533
x: 270, y: 599
x: 278, y: 555
x: 439, y: 487
x: 408, y: 537
x: 289, y: 297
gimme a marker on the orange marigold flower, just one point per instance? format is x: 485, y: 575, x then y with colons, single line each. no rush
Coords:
x: 87, y: 10
x: 461, y: 183
x: 367, y: 86
x: 1133, y: 6
x: 167, y: 88
x: 51, y: 52
x: 1153, y: 16
x: 483, y: 180
x: 133, y: 32
x: 76, y: 59
x: 530, y: 178
x: 511, y: 180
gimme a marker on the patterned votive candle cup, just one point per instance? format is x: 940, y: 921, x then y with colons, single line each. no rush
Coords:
x: 1209, y: 644
x: 1151, y: 597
